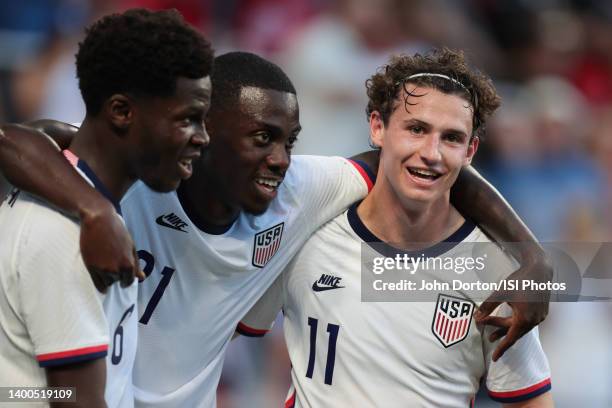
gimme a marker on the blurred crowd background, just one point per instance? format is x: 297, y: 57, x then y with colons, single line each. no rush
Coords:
x: 548, y: 149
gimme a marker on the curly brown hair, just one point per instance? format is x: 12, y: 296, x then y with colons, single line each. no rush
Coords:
x: 384, y: 87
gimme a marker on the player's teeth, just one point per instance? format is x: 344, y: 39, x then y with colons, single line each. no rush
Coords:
x: 268, y: 183
x: 424, y: 173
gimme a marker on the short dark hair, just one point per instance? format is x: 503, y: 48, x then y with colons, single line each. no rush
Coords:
x: 236, y: 70
x: 385, y: 86
x: 140, y: 52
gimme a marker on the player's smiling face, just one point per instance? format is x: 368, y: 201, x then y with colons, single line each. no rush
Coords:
x: 250, y: 147
x: 169, y: 134
x: 424, y: 145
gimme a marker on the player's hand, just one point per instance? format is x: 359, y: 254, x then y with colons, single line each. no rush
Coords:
x: 107, y: 248
x: 529, y: 308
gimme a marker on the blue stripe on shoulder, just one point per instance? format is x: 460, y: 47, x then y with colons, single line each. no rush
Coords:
x: 519, y: 398
x: 72, y: 360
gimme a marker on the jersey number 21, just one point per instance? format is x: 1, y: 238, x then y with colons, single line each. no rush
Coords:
x: 166, y: 273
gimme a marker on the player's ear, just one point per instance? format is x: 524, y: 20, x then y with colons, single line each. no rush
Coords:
x: 471, y: 150
x: 119, y: 109
x: 377, y: 129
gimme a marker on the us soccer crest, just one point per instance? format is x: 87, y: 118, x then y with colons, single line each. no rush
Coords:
x: 452, y: 318
x: 266, y: 244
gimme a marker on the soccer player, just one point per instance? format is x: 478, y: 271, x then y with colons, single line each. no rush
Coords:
x: 145, y: 80
x: 213, y: 248
x: 425, y: 114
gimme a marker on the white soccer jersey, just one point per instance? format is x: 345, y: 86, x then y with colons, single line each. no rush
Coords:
x: 200, y: 285
x: 50, y: 312
x: 349, y: 353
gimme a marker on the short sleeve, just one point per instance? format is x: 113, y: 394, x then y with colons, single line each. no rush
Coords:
x: 328, y: 185
x: 522, y: 372
x: 260, y: 319
x: 60, y: 306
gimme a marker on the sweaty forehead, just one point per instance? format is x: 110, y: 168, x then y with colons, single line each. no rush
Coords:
x: 261, y: 102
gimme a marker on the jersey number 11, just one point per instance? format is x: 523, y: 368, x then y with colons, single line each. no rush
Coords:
x: 333, y: 330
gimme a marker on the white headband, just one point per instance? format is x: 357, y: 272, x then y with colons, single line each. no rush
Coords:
x: 431, y: 74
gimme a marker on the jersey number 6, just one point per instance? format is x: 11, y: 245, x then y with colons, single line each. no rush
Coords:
x: 118, y: 337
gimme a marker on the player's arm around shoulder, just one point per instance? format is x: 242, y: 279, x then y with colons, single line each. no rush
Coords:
x: 31, y: 161
x: 476, y: 198
x: 541, y: 401
x: 325, y: 186
x: 61, y: 133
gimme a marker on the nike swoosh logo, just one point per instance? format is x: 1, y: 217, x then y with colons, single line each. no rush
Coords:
x: 160, y: 220
x: 318, y: 288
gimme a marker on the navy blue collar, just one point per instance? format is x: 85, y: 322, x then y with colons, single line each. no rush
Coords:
x: 389, y: 251
x: 84, y: 167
